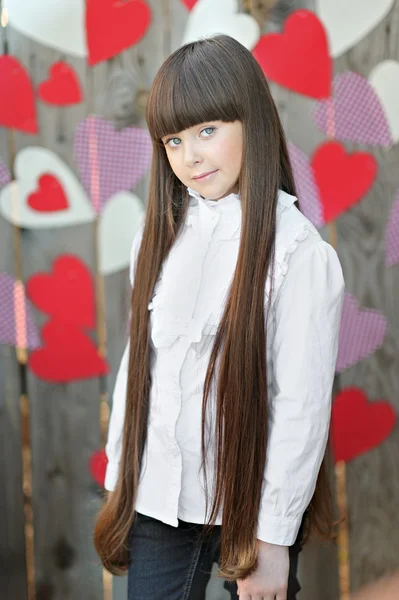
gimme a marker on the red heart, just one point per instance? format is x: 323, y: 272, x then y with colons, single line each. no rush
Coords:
x: 98, y: 466
x: 114, y: 25
x: 66, y: 294
x: 67, y: 355
x: 357, y: 425
x: 17, y: 102
x: 50, y: 197
x: 298, y: 58
x: 342, y: 179
x: 62, y: 87
x: 189, y: 3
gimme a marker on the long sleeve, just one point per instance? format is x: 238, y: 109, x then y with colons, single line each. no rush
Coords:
x: 113, y: 447
x: 307, y: 313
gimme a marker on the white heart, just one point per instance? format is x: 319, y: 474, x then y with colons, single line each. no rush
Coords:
x: 210, y: 17
x: 121, y: 218
x: 349, y: 21
x: 55, y: 23
x: 385, y: 80
x: 30, y: 164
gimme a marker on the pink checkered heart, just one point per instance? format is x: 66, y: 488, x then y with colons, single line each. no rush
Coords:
x: 17, y: 325
x: 110, y: 161
x: 353, y: 113
x: 392, y: 235
x: 308, y: 194
x: 5, y: 176
x: 362, y: 332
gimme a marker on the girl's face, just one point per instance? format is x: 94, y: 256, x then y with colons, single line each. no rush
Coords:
x: 213, y: 148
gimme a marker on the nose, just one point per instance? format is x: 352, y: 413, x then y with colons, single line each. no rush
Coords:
x: 192, y: 156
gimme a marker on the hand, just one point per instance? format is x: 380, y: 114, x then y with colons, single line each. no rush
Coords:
x: 270, y: 579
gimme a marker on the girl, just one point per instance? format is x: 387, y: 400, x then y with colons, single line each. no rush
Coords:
x: 222, y: 398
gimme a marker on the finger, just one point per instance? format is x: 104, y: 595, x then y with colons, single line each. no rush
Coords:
x: 282, y: 595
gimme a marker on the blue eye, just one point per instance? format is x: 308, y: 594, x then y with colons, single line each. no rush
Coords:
x: 171, y: 140
x: 212, y: 129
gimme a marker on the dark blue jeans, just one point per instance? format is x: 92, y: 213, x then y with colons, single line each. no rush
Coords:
x: 168, y: 563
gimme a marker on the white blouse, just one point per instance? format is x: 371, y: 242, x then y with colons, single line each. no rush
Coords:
x: 303, y: 330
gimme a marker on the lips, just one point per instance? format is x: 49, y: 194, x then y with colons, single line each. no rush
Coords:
x: 204, y: 175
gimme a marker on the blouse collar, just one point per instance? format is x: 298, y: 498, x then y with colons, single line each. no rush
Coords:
x: 232, y: 201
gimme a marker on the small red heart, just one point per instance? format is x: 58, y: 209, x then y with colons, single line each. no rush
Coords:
x: 66, y: 294
x: 67, y: 355
x: 17, y: 101
x: 342, y: 179
x: 50, y: 196
x: 62, y: 87
x: 358, y: 425
x: 114, y: 25
x: 189, y: 3
x: 98, y: 466
x: 298, y: 58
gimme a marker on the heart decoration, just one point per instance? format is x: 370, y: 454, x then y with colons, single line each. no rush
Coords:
x: 98, y: 465
x: 343, y: 179
x: 56, y: 293
x: 362, y: 332
x: 209, y: 17
x: 354, y: 113
x: 349, y: 22
x: 67, y: 355
x: 358, y: 425
x: 17, y: 324
x: 392, y: 235
x: 332, y: 181
x: 53, y: 25
x: 298, y: 58
x: 121, y: 158
x: 62, y: 87
x: 57, y: 200
x: 113, y: 26
x: 189, y: 3
x: 5, y: 175
x: 123, y: 214
x: 50, y: 195
x: 384, y: 78
x: 17, y: 102
x: 308, y: 193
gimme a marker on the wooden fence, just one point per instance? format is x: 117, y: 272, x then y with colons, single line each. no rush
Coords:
x: 48, y: 432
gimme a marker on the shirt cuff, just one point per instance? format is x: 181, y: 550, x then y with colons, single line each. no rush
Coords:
x: 111, y: 476
x: 282, y: 531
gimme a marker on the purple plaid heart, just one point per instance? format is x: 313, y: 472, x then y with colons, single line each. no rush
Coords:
x: 110, y: 161
x: 5, y: 176
x: 362, y: 333
x: 308, y: 194
x: 392, y: 235
x: 17, y: 326
x: 353, y: 113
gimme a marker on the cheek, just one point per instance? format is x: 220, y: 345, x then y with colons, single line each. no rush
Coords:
x: 231, y: 153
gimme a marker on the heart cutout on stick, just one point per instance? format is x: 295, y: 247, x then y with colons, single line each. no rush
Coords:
x: 114, y: 26
x: 30, y: 165
x: 123, y: 214
x: 62, y: 87
x: 362, y: 332
x: 55, y: 294
x: 50, y: 195
x: 67, y: 355
x: 358, y: 425
x: 297, y: 58
x: 392, y: 235
x: 189, y: 3
x: 5, y: 176
x: 52, y: 24
x: 119, y: 161
x: 17, y: 101
x: 349, y: 22
x: 384, y: 78
x: 98, y: 466
x: 209, y: 17
x: 354, y: 113
x: 17, y: 324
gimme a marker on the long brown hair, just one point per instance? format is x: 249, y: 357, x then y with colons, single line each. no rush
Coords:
x: 212, y: 79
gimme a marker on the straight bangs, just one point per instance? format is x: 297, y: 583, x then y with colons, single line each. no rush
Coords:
x: 179, y: 99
